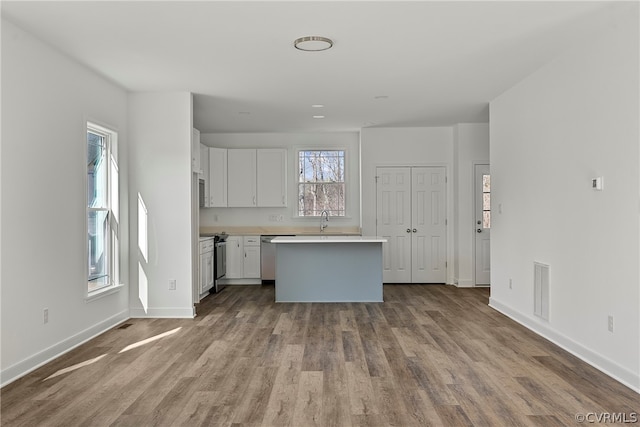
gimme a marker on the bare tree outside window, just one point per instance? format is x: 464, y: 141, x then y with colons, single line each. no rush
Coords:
x: 321, y: 185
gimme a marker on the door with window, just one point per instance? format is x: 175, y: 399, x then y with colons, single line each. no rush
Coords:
x: 410, y: 214
x: 482, y: 225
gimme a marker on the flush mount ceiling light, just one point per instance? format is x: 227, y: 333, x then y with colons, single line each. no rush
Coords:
x: 312, y: 43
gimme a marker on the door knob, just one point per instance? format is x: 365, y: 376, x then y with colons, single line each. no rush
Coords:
x: 479, y: 222
x: 414, y: 230
x: 408, y: 230
x: 479, y: 230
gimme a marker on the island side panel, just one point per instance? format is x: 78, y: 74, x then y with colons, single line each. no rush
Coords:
x: 329, y: 272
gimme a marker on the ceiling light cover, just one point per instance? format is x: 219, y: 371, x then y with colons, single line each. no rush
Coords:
x: 313, y: 43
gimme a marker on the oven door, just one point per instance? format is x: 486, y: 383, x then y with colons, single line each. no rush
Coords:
x: 221, y: 259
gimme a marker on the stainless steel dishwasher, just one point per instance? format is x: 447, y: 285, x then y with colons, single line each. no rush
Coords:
x: 268, y: 259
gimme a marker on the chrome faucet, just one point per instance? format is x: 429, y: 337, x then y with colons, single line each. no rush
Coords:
x: 324, y: 220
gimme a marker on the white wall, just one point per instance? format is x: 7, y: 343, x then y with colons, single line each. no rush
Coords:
x: 575, y: 119
x: 470, y: 147
x: 160, y: 172
x: 46, y: 100
x: 404, y: 147
x: 292, y: 142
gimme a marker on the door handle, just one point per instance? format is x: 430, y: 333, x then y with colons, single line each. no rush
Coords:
x: 415, y: 231
x: 408, y: 230
x: 479, y: 230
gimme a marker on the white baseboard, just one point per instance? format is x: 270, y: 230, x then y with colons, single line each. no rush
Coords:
x: 163, y: 312
x: 32, y: 363
x: 242, y: 282
x: 610, y: 368
x: 465, y: 283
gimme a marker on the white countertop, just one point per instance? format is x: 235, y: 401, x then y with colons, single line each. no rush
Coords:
x: 328, y: 239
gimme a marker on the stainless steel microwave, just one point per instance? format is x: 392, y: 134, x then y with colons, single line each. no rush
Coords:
x: 201, y: 192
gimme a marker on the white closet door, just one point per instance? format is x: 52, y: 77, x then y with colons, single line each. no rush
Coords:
x: 411, y: 215
x: 393, y: 216
x: 428, y: 217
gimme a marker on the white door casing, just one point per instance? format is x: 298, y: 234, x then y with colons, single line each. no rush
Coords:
x: 482, y: 225
x: 410, y: 214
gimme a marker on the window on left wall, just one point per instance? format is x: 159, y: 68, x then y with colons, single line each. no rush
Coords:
x: 102, y: 210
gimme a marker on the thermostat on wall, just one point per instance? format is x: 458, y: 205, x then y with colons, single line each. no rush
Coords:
x: 596, y: 183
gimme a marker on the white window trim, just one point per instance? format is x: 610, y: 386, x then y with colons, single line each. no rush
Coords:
x: 103, y: 292
x: 114, y: 265
x: 347, y: 173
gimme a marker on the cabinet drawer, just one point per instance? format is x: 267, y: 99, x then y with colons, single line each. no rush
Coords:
x: 206, y: 245
x: 251, y: 240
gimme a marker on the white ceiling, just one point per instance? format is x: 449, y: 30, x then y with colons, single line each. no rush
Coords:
x: 414, y: 63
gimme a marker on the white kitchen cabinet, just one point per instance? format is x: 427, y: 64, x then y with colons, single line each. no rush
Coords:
x: 195, y: 151
x: 271, y: 177
x: 256, y: 177
x: 243, y: 257
x: 235, y: 257
x: 206, y: 279
x: 241, y: 178
x: 217, y: 177
x: 251, y: 262
x: 204, y: 167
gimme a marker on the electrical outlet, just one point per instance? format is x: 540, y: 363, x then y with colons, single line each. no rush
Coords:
x: 610, y: 323
x: 45, y: 315
x: 510, y: 283
x: 172, y: 285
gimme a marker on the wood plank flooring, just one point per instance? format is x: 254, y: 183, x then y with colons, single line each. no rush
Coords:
x: 430, y: 355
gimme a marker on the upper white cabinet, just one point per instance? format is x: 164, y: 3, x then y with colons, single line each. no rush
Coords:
x: 241, y: 178
x: 195, y: 151
x: 204, y: 167
x: 217, y: 177
x: 272, y: 177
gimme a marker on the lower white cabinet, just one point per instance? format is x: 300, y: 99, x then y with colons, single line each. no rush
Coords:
x: 206, y: 279
x: 243, y: 257
x: 251, y: 264
x: 235, y: 257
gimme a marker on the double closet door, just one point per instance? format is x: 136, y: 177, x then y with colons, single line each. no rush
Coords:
x: 411, y: 215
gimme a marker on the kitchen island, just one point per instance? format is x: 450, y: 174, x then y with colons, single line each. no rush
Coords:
x: 328, y: 268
